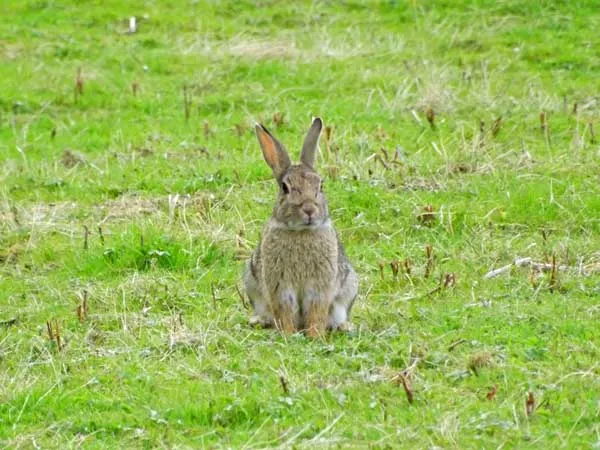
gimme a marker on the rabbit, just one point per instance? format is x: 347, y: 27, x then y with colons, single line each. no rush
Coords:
x: 299, y: 277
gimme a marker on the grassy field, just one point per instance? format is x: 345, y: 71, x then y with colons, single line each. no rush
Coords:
x: 132, y: 189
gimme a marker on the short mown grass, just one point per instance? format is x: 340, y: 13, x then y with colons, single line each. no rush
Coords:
x: 132, y: 189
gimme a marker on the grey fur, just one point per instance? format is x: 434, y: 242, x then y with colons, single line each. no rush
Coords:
x: 299, y: 277
x: 311, y: 143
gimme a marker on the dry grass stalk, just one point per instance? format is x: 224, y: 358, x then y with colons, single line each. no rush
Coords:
x: 492, y: 393
x: 430, y: 260
x: 406, y: 384
x: 49, y: 329
x: 530, y: 404
x: 449, y: 280
x: 478, y: 361
x: 328, y: 136
x: 80, y: 315
x: 7, y: 323
x: 78, y: 84
x: 533, y: 278
x: 15, y: 215
x: 456, y: 343
x: 545, y: 128
x: 496, y: 126
x: 82, y: 308
x: 381, y: 270
x: 207, y: 129
x: 403, y: 379
x: 386, y: 156
x: 242, y: 297
x: 427, y: 216
x: 328, y: 133
x: 395, y: 266
x: 284, y: 384
x: 333, y: 172
x: 101, y: 234
x: 187, y: 102
x: 481, y: 142
x: 543, y: 122
x: 57, y: 334
x: 278, y: 119
x: 553, y: 284
x: 381, y: 134
x: 382, y: 161
x: 240, y: 129
x: 86, y: 235
x: 54, y: 333
x: 407, y: 266
x: 71, y: 159
x: 430, y: 115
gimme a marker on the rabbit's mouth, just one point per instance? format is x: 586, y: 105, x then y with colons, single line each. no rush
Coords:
x: 310, y: 221
x: 304, y: 225
x: 313, y: 222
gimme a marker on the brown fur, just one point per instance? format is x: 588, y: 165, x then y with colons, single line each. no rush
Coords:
x: 299, y: 276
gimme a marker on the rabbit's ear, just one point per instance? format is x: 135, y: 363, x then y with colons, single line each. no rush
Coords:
x: 274, y: 152
x: 309, y: 148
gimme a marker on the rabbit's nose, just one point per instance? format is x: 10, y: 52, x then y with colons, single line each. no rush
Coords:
x: 309, y: 210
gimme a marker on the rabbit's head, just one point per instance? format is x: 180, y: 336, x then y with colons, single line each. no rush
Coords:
x: 300, y: 203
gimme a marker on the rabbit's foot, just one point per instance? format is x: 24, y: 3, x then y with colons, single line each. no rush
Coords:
x: 314, y: 332
x: 345, y: 327
x: 261, y: 322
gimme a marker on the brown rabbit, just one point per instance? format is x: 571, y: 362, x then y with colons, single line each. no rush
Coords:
x: 299, y: 277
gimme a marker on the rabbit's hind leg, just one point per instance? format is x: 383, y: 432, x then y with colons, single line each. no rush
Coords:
x: 262, y: 317
x: 339, y: 313
x: 285, y: 308
x: 316, y: 310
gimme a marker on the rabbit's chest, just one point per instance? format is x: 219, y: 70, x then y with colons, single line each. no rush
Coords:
x: 300, y: 260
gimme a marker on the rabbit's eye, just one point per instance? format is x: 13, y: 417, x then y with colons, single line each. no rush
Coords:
x: 320, y: 190
x: 285, y: 188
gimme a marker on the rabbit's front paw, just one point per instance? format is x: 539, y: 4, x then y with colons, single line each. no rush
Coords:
x: 261, y: 322
x: 345, y: 327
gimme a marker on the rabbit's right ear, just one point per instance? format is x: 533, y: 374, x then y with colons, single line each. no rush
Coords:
x: 274, y: 152
x: 311, y: 142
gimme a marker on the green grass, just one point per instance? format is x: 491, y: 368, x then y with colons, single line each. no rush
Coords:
x: 165, y: 356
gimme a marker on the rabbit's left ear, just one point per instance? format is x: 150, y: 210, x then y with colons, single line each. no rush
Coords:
x: 274, y: 152
x: 311, y: 141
